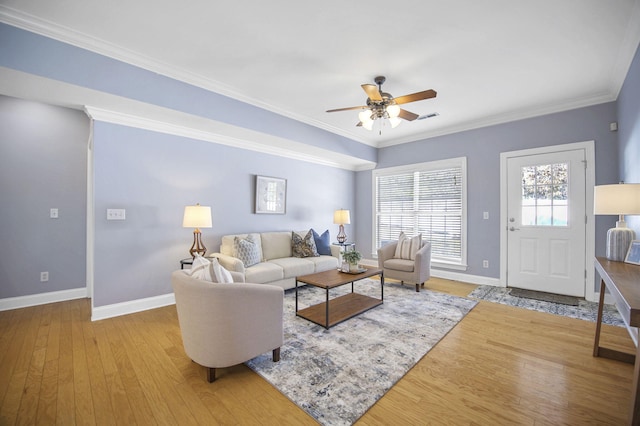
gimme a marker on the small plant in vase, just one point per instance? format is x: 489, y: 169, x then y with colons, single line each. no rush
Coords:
x: 352, y: 257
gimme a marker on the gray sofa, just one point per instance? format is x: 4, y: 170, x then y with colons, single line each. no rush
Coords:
x: 277, y: 264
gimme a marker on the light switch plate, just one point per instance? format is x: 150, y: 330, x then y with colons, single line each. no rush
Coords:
x: 53, y: 213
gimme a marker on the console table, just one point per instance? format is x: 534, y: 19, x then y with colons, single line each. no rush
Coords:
x: 623, y: 282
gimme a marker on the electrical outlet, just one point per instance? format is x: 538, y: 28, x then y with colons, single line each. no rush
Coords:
x: 485, y: 215
x: 485, y: 263
x: 116, y: 214
x: 44, y: 276
x: 53, y: 213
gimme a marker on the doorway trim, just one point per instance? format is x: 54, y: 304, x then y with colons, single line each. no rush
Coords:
x: 590, y: 178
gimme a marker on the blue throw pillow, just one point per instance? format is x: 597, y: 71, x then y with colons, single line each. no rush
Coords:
x: 322, y: 242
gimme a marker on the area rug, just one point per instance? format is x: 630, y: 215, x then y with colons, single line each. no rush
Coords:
x: 585, y: 310
x: 335, y: 375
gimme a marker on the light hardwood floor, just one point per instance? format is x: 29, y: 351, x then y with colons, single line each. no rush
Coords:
x: 499, y: 365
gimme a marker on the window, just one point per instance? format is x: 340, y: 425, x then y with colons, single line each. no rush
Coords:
x: 427, y: 198
x: 544, y: 195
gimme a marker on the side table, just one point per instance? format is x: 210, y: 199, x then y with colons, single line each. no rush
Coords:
x: 187, y: 261
x: 345, y: 245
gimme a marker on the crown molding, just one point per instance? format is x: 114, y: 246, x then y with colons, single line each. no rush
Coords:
x: 110, y: 108
x: 224, y: 134
x: 67, y: 35
x: 64, y: 34
x: 506, y: 118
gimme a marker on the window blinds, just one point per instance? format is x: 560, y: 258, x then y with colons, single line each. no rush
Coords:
x: 422, y: 201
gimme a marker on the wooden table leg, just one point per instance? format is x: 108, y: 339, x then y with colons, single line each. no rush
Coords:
x: 634, y: 415
x: 596, y: 342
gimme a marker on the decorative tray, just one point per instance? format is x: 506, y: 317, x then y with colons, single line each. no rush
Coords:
x: 359, y: 271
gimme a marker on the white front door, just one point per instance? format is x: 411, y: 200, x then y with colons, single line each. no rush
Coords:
x: 546, y: 222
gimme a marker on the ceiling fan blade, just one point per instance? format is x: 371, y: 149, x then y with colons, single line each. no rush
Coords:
x: 426, y: 94
x: 347, y: 108
x: 372, y: 92
x: 407, y: 115
x: 359, y: 124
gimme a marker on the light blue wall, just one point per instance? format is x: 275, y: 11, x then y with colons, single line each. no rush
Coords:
x: 629, y: 131
x: 43, y: 165
x: 482, y: 147
x: 154, y: 175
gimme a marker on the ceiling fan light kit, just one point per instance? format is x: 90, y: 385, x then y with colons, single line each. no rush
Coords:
x: 381, y: 105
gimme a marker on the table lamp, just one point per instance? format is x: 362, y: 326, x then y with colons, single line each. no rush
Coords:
x: 197, y: 217
x: 617, y: 199
x: 341, y: 217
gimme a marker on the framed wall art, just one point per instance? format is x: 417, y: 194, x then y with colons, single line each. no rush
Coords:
x: 633, y: 255
x: 271, y: 195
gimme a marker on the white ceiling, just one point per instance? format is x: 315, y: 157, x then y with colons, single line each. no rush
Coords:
x: 490, y: 61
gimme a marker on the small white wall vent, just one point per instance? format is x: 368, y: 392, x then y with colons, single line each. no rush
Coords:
x: 433, y: 114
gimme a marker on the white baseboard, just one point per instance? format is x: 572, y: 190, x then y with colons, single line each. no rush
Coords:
x: 133, y: 306
x: 465, y: 278
x: 449, y: 275
x: 42, y: 298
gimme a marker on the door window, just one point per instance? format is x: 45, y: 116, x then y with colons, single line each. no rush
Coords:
x: 544, y: 195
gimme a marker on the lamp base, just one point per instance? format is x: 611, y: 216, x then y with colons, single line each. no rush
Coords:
x: 197, y: 247
x: 618, y: 241
x: 341, y: 237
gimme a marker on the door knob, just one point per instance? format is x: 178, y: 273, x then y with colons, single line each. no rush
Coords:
x: 514, y: 229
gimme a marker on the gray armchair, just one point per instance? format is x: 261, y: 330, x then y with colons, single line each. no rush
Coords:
x: 227, y: 324
x: 414, y: 272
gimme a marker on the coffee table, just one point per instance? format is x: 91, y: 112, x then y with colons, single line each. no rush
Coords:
x: 338, y: 309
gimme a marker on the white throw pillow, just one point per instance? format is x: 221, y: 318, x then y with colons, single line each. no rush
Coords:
x: 201, y: 269
x: 246, y: 249
x: 408, y: 247
x: 221, y: 275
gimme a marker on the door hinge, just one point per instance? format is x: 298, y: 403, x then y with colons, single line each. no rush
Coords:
x: 586, y: 218
x: 585, y: 164
x: 585, y: 274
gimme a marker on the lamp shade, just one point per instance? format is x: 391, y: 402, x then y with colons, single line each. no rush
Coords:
x: 341, y: 217
x: 197, y: 217
x: 617, y: 199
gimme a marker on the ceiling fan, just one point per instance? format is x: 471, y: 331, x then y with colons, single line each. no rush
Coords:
x: 382, y: 105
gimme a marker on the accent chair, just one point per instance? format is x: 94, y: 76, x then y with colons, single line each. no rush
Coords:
x: 227, y: 324
x: 402, y: 267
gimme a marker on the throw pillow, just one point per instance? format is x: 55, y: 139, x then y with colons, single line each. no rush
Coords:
x: 401, y: 239
x: 220, y: 273
x: 303, y: 246
x: 408, y: 247
x: 201, y: 269
x: 246, y: 250
x: 322, y: 242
